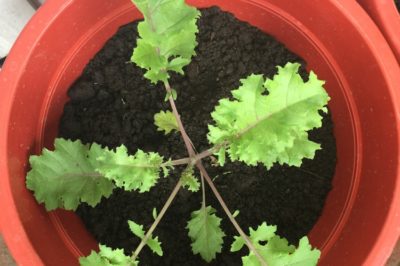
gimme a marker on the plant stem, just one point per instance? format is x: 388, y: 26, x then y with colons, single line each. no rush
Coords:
x: 203, y: 191
x: 203, y: 171
x: 197, y: 157
x: 157, y: 220
x: 186, y: 160
x: 229, y: 214
x: 210, y: 151
x: 185, y: 137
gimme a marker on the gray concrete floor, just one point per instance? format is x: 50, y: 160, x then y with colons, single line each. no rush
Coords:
x: 394, y: 260
x: 5, y: 258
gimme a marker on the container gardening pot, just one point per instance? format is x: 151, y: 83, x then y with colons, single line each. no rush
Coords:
x: 387, y: 17
x: 359, y: 224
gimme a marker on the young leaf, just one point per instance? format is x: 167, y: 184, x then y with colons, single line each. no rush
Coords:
x: 107, y: 257
x: 154, y: 213
x: 189, y: 180
x: 167, y: 37
x: 221, y: 154
x: 166, y: 166
x: 275, y: 250
x: 260, y: 128
x: 67, y: 176
x: 166, y: 121
x: 173, y: 93
x: 139, y: 172
x: 153, y: 243
x: 205, y: 233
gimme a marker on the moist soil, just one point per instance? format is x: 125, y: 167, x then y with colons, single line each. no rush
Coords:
x: 112, y: 104
x: 397, y: 2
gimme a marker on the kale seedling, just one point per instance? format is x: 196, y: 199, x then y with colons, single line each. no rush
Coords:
x: 265, y: 122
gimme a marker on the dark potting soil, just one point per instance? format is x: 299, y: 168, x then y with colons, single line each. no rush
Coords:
x: 111, y: 103
x: 397, y: 2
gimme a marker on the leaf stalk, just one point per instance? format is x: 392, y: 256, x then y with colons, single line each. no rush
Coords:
x: 157, y: 220
x: 185, y: 136
x: 203, y: 171
x: 229, y: 214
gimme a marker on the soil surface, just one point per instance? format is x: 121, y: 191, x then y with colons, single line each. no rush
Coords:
x: 111, y: 103
x: 397, y: 2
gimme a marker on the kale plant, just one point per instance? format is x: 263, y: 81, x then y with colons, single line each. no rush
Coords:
x: 265, y: 122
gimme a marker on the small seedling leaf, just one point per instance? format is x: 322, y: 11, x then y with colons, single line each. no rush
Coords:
x: 166, y: 121
x: 221, y: 154
x: 237, y: 244
x: 153, y: 243
x: 177, y: 64
x: 172, y: 93
x: 205, y: 233
x: 189, y: 181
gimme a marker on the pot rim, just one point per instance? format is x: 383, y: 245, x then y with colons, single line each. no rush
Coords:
x: 387, y: 18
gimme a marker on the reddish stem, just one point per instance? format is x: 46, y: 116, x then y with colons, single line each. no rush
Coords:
x: 229, y: 214
x: 157, y: 220
x: 199, y: 164
x: 185, y: 137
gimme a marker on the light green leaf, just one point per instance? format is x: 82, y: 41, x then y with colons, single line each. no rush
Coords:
x: 182, y: 44
x: 132, y: 172
x: 275, y: 250
x: 177, y: 65
x: 189, y: 181
x: 166, y: 121
x: 153, y: 243
x: 205, y: 233
x: 167, y: 37
x: 236, y: 213
x: 155, y: 75
x: 166, y: 166
x: 237, y: 244
x: 67, y: 176
x: 146, y: 56
x: 304, y: 255
x: 221, y: 154
x: 107, y: 257
x: 154, y: 213
x: 172, y: 93
x: 271, y: 128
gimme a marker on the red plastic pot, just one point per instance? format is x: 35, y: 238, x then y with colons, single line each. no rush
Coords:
x: 360, y: 222
x: 387, y: 17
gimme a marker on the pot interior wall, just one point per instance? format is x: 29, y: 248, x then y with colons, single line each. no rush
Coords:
x: 366, y: 173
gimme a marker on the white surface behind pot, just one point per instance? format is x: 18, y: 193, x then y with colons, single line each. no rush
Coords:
x: 14, y: 14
